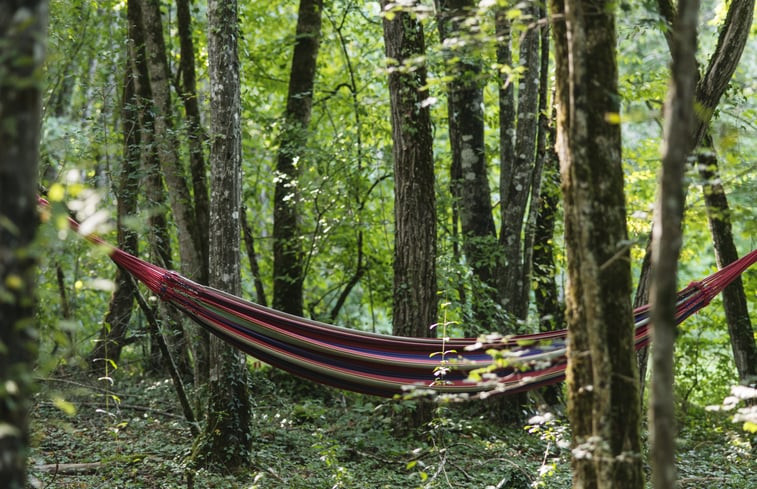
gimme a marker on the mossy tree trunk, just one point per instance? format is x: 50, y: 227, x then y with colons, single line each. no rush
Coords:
x: 603, y: 405
x: 22, y: 35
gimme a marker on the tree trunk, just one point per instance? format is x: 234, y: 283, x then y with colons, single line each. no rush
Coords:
x: 415, y: 299
x: 22, y: 35
x: 666, y: 241
x: 710, y: 88
x: 195, y: 132
x: 547, y: 301
x: 166, y: 145
x: 603, y: 405
x: 226, y: 439
x: 469, y: 182
x: 288, y: 267
x: 734, y: 299
x: 166, y: 142
x: 522, y: 188
x: 112, y: 338
x: 155, y: 196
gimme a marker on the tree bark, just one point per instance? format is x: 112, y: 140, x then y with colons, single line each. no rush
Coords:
x: 155, y: 196
x: 523, y: 181
x: 112, y: 338
x: 288, y: 259
x: 551, y: 315
x: 415, y: 299
x: 469, y: 182
x: 227, y: 437
x: 734, y: 299
x: 22, y: 35
x: 603, y: 405
x: 195, y: 131
x: 167, y: 144
x: 667, y: 238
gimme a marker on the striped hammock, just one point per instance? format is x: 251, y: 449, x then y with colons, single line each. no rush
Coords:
x: 386, y: 365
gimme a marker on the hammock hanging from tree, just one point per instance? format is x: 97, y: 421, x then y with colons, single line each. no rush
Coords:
x: 387, y: 365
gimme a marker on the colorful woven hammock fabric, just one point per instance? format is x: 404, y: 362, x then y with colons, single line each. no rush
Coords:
x: 386, y: 365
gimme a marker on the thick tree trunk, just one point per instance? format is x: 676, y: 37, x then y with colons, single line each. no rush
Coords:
x: 226, y: 438
x: 22, y: 35
x: 667, y: 238
x: 415, y: 299
x: 603, y: 405
x: 288, y: 266
x: 734, y: 299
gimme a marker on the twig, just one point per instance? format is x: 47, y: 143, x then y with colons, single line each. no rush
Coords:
x: 177, y: 382
x: 67, y: 469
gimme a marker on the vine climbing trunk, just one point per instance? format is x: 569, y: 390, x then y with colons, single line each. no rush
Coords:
x: 22, y: 35
x: 288, y: 259
x: 603, y: 405
x: 415, y: 299
x: 226, y: 439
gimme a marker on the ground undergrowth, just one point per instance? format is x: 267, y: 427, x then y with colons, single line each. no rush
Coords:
x: 131, y: 435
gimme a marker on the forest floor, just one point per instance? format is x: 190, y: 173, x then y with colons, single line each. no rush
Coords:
x: 132, y: 435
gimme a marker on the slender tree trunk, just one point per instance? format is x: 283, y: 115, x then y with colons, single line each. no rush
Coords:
x: 551, y: 316
x: 252, y: 257
x: 227, y: 437
x: 113, y: 337
x: 734, y: 299
x: 667, y: 238
x: 469, y: 182
x: 710, y: 88
x: 154, y: 192
x: 166, y: 145
x: 523, y: 183
x: 288, y: 265
x: 166, y: 141
x: 415, y: 299
x: 22, y: 35
x: 195, y: 132
x: 603, y: 405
